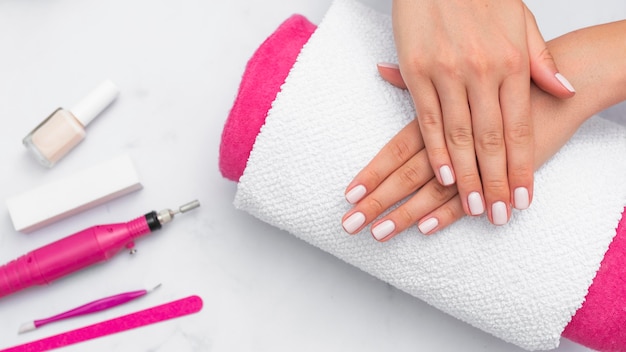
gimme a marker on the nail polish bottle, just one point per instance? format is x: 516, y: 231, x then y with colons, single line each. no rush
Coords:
x: 64, y: 129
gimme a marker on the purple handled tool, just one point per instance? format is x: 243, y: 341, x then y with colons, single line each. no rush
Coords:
x: 88, y: 308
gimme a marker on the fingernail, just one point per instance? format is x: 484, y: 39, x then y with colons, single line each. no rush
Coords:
x: 428, y: 225
x: 355, y: 194
x: 475, y: 203
x: 499, y: 213
x: 384, y: 229
x: 446, y: 175
x: 522, y: 200
x: 388, y: 65
x: 353, y: 222
x: 565, y: 82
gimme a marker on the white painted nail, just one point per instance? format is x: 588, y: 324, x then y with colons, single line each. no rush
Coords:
x: 428, y: 225
x: 565, y: 82
x: 354, y: 222
x: 355, y: 194
x: 384, y: 229
x: 499, y: 213
x: 521, y: 197
x: 475, y: 202
x: 446, y: 175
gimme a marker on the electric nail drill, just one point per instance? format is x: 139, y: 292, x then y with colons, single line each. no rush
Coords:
x: 87, y: 247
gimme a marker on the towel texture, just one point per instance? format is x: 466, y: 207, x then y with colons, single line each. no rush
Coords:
x: 522, y: 283
x: 272, y: 62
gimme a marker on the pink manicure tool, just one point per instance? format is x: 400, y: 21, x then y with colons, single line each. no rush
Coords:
x: 90, y: 246
x: 174, y: 309
x: 91, y: 307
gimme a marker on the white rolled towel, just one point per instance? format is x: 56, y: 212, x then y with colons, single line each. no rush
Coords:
x: 521, y: 282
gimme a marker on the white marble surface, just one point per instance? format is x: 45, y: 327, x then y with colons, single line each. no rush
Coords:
x: 178, y: 65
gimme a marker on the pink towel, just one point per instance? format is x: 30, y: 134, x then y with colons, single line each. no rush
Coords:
x: 599, y: 324
x: 264, y: 75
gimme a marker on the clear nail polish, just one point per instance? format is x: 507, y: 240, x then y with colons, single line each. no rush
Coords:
x: 60, y: 132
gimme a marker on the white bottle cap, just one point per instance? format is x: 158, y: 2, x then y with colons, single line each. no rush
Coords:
x: 94, y: 103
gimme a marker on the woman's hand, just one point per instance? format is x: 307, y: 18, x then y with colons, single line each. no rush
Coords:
x: 402, y: 169
x: 594, y: 57
x: 467, y: 65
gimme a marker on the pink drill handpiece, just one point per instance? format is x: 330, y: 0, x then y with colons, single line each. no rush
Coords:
x: 80, y: 250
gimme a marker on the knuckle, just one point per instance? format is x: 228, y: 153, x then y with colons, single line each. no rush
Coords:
x: 413, y: 65
x: 374, y: 206
x: 490, y: 141
x: 480, y: 64
x: 448, y: 214
x: 373, y: 176
x: 401, y: 151
x: 469, y: 179
x: 404, y: 217
x: 545, y: 55
x: 460, y: 137
x: 514, y: 61
x: 496, y: 186
x: 411, y: 177
x: 520, y: 133
x: 521, y: 172
x: 449, y: 67
x: 439, y: 192
x: 430, y: 120
x: 437, y: 153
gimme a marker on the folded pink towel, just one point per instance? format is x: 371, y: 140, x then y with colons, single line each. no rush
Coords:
x: 264, y: 75
x: 599, y: 324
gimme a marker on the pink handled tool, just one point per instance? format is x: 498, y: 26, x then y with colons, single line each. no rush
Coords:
x: 82, y: 249
x: 91, y: 307
x: 170, y: 310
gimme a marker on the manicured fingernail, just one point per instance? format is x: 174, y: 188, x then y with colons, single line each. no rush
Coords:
x: 521, y: 197
x: 499, y: 213
x: 565, y: 82
x: 388, y: 65
x: 475, y: 202
x: 446, y: 175
x: 428, y: 225
x: 355, y: 194
x: 382, y: 230
x: 353, y: 222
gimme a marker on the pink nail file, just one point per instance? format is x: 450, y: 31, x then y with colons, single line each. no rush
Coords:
x: 174, y: 309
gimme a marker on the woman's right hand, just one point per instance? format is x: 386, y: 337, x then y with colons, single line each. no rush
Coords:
x: 468, y: 65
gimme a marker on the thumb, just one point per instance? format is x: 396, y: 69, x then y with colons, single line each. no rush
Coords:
x: 391, y: 73
x: 543, y: 69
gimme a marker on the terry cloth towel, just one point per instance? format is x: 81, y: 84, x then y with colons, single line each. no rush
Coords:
x: 530, y: 321
x: 264, y: 75
x: 598, y: 324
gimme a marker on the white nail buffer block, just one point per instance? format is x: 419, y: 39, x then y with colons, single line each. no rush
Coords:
x: 54, y: 201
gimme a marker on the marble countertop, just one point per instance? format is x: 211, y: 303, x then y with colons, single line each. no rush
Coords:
x: 178, y: 66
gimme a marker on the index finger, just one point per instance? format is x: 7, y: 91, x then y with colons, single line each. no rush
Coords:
x: 394, y: 154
